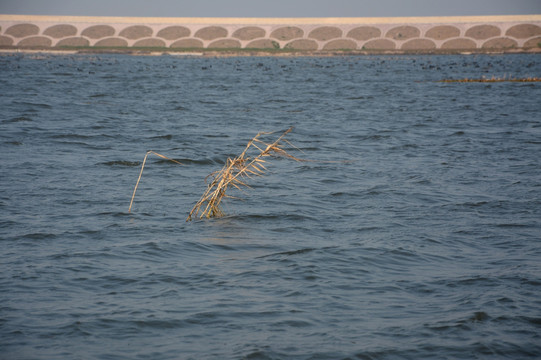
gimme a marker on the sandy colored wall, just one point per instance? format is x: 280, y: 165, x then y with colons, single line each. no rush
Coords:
x: 425, y: 34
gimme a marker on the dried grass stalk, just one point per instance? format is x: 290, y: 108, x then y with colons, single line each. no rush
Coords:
x: 493, y: 79
x: 141, y: 172
x: 235, y: 172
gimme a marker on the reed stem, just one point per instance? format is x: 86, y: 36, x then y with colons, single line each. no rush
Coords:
x: 234, y: 172
x: 141, y: 173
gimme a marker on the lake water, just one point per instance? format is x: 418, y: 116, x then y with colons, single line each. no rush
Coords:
x: 414, y: 232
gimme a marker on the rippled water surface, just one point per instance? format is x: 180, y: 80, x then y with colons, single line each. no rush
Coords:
x: 414, y: 233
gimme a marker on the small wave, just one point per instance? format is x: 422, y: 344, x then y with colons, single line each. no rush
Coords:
x: 114, y: 213
x: 289, y: 218
x: 16, y: 143
x: 206, y: 318
x: 214, y: 136
x: 402, y: 254
x: 288, y: 253
x: 37, y: 236
x: 83, y: 144
x: 71, y: 136
x: 279, y: 101
x: 6, y: 223
x: 296, y: 252
x: 477, y: 281
x: 17, y: 119
x: 31, y: 104
x: 74, y: 329
x: 100, y: 255
x: 168, y: 162
x: 356, y: 98
x: 292, y: 323
x: 377, y: 190
x: 478, y: 316
x: 536, y: 321
x: 62, y: 74
x: 160, y: 324
x: 405, y: 147
x: 113, y: 281
x: 473, y: 204
x: 373, y: 137
x: 512, y: 225
x: 121, y: 163
x: 350, y: 196
x: 465, y: 323
x: 203, y: 161
x: 165, y: 137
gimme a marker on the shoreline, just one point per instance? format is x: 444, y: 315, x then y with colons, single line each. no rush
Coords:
x: 257, y: 52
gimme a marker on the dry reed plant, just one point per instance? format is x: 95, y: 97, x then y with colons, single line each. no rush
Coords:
x: 235, y: 172
x: 141, y: 172
x: 493, y: 79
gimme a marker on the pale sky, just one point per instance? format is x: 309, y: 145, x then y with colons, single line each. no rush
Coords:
x: 270, y: 8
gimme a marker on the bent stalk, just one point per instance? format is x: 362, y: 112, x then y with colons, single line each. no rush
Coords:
x: 141, y: 172
x: 234, y: 173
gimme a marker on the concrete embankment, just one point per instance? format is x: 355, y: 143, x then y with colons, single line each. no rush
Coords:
x: 274, y: 35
